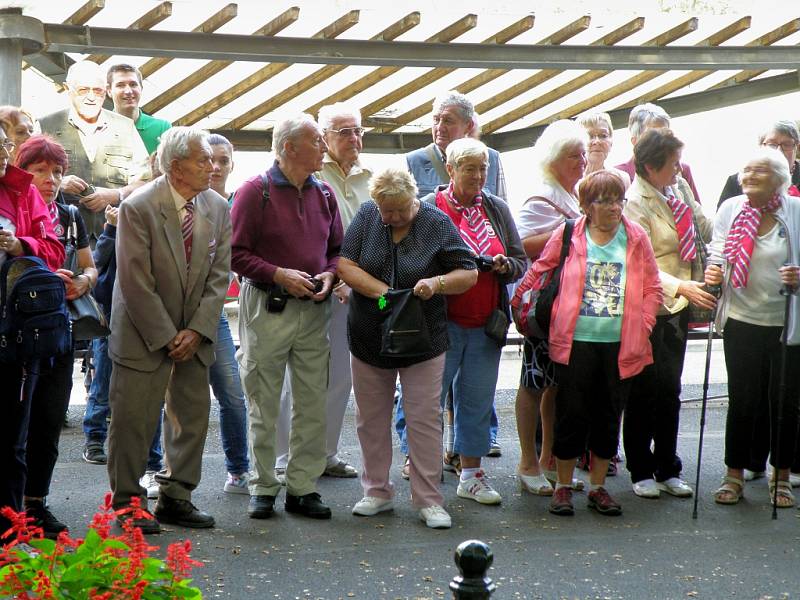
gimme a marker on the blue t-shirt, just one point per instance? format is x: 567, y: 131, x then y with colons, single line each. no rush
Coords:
x: 600, y: 316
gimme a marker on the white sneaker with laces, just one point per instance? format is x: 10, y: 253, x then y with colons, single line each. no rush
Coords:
x: 369, y: 506
x: 675, y: 486
x: 435, y: 517
x: 478, y: 489
x: 646, y: 488
x: 237, y: 484
x: 148, y: 482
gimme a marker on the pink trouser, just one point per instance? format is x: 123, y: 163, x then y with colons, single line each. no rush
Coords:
x: 374, y: 392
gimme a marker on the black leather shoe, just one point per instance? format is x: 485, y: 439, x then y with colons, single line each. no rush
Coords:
x: 181, y: 512
x: 42, y: 517
x: 309, y: 505
x: 261, y: 507
x: 148, y: 526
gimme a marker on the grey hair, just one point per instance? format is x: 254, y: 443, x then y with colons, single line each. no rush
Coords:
x: 215, y: 139
x: 85, y: 68
x: 595, y: 119
x: 392, y: 183
x: 642, y: 115
x: 288, y: 128
x: 557, y: 138
x: 783, y: 127
x: 457, y: 100
x: 777, y: 164
x: 467, y: 147
x: 176, y: 145
x: 339, y: 109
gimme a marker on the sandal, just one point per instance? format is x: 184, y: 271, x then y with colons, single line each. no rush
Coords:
x: 727, y: 493
x: 785, y: 497
x: 535, y: 484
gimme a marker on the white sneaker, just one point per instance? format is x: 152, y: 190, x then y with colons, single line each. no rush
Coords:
x: 794, y: 479
x: 237, y: 484
x: 646, y: 488
x: 435, y: 517
x: 478, y: 489
x: 370, y: 505
x: 148, y: 482
x: 674, y: 486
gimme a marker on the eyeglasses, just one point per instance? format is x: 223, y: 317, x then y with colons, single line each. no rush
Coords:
x: 346, y: 132
x: 8, y: 146
x: 609, y: 201
x: 785, y: 146
x: 602, y: 136
x: 85, y: 91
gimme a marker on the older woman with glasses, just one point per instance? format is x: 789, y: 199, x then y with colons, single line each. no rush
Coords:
x: 601, y: 138
x: 605, y: 310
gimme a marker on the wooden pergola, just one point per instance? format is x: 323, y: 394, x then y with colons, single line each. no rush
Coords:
x: 760, y: 66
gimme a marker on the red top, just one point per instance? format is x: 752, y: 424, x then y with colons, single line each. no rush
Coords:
x: 22, y: 204
x: 473, y: 307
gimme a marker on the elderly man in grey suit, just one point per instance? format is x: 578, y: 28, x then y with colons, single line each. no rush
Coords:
x: 173, y: 249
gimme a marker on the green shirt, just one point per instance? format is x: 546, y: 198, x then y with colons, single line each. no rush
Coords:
x: 150, y: 130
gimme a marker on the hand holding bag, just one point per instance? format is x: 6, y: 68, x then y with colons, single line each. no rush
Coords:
x: 404, y: 333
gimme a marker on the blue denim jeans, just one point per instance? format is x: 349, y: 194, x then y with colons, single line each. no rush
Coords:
x: 97, y: 415
x: 224, y: 377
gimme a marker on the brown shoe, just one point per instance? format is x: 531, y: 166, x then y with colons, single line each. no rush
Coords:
x: 561, y: 502
x: 602, y: 502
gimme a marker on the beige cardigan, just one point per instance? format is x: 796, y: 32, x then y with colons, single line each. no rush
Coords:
x: 645, y: 206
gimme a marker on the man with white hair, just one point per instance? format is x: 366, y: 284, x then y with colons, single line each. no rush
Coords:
x: 286, y: 237
x: 105, y: 151
x: 343, y: 171
x: 173, y: 240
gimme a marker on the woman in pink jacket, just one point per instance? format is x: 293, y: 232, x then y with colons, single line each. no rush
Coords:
x: 599, y: 332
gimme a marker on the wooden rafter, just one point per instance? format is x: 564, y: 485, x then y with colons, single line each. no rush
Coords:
x: 252, y: 81
x: 395, y: 30
x: 662, y: 39
x: 214, y: 22
x: 85, y: 12
x: 609, y: 39
x: 148, y: 20
x: 447, y: 34
x: 488, y: 75
x: 279, y: 23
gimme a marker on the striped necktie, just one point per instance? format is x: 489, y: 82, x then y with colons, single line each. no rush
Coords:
x: 682, y: 215
x: 186, y: 230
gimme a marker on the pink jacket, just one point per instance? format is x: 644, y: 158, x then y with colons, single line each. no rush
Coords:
x: 642, y: 295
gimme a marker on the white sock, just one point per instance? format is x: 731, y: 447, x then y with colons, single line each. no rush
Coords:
x: 469, y: 473
x: 595, y: 486
x: 563, y: 485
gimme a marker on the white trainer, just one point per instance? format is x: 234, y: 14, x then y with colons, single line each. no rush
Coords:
x: 148, y: 482
x: 369, y: 506
x: 674, y: 486
x: 646, y: 488
x: 478, y: 489
x: 435, y: 517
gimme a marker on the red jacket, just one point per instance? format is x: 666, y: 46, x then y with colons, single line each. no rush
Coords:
x: 642, y: 295
x: 23, y: 205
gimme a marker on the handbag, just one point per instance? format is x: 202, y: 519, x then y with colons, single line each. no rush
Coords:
x: 496, y: 327
x: 88, y: 319
x: 536, y: 307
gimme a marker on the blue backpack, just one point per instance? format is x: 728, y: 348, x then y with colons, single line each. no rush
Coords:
x: 34, y: 321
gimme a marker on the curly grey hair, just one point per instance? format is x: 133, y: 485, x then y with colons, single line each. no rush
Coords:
x: 776, y: 163
x: 288, y: 128
x: 643, y: 115
x: 175, y: 145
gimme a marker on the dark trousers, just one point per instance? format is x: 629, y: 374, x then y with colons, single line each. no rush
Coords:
x: 589, y: 402
x: 753, y: 359
x: 13, y: 436
x: 652, y: 412
x: 49, y: 403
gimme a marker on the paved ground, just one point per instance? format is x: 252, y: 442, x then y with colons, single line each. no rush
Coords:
x: 655, y: 550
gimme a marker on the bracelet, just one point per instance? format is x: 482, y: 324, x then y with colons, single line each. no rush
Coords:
x: 441, y: 284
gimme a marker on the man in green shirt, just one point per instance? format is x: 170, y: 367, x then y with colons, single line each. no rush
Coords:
x: 125, y: 88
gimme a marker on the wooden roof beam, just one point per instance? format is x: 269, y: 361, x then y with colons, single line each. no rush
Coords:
x: 85, y: 12
x: 501, y: 37
x: 488, y: 75
x: 252, y: 81
x: 395, y: 30
x: 211, y: 24
x: 609, y: 39
x: 279, y: 23
x: 150, y: 19
x: 447, y: 34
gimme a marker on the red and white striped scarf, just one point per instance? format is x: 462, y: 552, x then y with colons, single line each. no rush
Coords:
x: 742, y: 239
x: 684, y: 223
x: 473, y: 227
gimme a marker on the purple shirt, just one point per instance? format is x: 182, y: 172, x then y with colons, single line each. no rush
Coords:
x: 294, y: 229
x: 630, y: 168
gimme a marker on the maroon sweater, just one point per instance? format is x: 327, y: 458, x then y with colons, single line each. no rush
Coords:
x: 295, y: 229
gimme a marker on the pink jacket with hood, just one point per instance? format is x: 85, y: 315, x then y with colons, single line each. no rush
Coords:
x: 642, y: 295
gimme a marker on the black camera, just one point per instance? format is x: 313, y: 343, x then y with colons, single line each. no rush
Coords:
x: 276, y: 299
x: 485, y: 263
x: 317, y: 283
x: 87, y: 191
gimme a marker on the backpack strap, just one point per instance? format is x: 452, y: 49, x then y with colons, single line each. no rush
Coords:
x: 265, y: 181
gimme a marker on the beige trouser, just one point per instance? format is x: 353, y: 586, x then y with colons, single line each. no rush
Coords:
x: 298, y: 336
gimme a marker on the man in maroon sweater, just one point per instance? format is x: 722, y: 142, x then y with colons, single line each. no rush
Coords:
x: 285, y: 245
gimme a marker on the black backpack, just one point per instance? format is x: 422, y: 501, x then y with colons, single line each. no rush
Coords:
x: 34, y: 321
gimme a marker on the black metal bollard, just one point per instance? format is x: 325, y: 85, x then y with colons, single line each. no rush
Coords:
x: 473, y: 559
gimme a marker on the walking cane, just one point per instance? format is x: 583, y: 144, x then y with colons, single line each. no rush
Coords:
x: 715, y: 290
x: 786, y: 291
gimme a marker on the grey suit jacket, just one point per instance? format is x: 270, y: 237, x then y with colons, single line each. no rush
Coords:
x: 155, y: 295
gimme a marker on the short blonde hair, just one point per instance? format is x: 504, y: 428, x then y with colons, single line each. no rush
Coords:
x: 463, y: 148
x: 595, y: 119
x: 392, y: 184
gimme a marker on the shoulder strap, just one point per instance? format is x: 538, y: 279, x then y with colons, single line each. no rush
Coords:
x: 551, y: 203
x: 436, y: 161
x: 72, y: 227
x: 569, y: 225
x: 264, y: 190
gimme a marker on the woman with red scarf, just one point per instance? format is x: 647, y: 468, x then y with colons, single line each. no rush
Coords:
x: 756, y: 238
